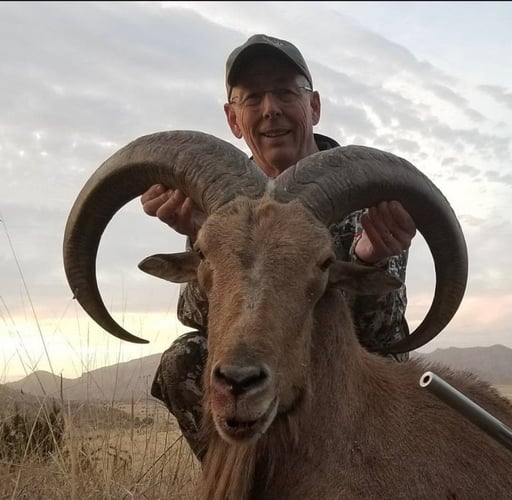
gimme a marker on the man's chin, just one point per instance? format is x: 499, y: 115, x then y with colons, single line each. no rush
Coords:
x: 281, y: 160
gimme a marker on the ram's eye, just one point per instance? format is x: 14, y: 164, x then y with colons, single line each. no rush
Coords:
x: 327, y: 263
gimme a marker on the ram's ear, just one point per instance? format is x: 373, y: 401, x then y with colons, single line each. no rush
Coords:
x: 175, y: 267
x: 362, y: 280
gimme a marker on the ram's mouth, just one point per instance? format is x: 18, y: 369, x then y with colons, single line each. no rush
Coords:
x: 237, y: 429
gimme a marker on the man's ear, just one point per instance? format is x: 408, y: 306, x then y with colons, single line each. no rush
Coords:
x: 315, y: 107
x: 232, y: 120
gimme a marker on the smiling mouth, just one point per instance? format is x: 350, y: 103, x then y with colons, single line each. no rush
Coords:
x: 239, y: 430
x: 276, y: 134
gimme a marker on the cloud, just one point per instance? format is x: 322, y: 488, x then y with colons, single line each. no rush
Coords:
x: 447, y: 94
x: 502, y: 95
x: 80, y: 80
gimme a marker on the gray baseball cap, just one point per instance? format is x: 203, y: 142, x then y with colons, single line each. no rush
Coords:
x: 255, y: 45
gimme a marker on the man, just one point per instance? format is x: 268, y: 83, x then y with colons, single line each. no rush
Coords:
x: 273, y: 107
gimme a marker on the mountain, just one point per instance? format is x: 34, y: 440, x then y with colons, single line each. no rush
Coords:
x: 120, y: 382
x: 132, y: 379
x: 493, y: 364
x: 12, y: 400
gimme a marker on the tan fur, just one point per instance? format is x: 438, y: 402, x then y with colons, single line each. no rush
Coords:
x: 350, y: 424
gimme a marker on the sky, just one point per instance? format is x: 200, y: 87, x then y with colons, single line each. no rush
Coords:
x: 428, y: 81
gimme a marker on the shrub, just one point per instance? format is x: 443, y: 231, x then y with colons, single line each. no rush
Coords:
x: 37, y: 435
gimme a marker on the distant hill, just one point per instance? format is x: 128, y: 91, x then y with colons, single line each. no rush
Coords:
x: 493, y: 364
x: 120, y: 382
x: 88, y: 415
x: 12, y: 400
x: 132, y: 379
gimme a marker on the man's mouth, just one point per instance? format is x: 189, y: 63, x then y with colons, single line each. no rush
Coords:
x: 275, y: 133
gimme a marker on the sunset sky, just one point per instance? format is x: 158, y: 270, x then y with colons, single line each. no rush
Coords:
x: 427, y: 81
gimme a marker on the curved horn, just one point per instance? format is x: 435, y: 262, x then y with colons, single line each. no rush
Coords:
x: 334, y: 183
x: 209, y: 170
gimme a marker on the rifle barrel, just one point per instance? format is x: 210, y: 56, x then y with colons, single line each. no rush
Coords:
x: 467, y: 408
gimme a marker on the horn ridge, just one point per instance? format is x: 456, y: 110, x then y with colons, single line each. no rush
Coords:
x: 339, y: 181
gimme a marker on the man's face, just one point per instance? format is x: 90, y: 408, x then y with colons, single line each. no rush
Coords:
x: 277, y: 126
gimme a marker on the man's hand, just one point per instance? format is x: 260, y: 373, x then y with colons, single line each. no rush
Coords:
x: 388, y: 230
x: 174, y: 208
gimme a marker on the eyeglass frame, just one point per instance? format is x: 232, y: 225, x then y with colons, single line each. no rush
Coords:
x: 262, y: 93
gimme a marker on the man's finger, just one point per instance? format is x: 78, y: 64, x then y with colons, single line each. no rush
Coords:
x: 153, y: 192
x: 391, y: 231
x: 403, y: 218
x: 152, y: 206
x: 377, y: 234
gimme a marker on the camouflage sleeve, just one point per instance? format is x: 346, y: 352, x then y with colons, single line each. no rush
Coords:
x: 379, y: 319
x: 192, y: 303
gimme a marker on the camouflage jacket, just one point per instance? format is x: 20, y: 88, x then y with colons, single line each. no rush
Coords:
x: 379, y: 320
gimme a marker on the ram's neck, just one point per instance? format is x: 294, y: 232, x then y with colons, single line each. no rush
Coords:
x: 316, y: 431
x: 336, y: 355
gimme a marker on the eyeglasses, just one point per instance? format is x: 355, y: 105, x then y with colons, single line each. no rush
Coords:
x: 285, y: 95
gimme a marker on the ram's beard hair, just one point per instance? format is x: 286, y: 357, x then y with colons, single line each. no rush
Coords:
x: 229, y: 470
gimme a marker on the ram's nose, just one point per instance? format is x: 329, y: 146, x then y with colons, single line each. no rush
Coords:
x: 239, y: 380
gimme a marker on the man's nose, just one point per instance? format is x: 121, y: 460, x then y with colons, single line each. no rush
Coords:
x: 270, y: 104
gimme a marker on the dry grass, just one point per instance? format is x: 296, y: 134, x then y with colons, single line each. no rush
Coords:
x: 144, y: 457
x: 125, y: 451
